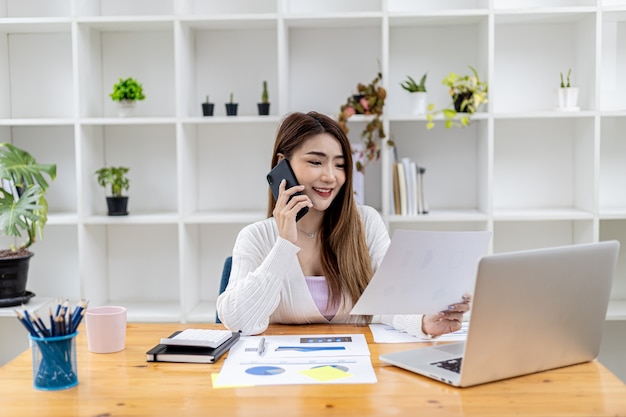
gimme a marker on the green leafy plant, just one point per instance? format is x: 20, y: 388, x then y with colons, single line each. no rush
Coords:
x: 369, y: 100
x: 207, y: 99
x: 264, y: 94
x: 566, y: 84
x: 467, y: 92
x: 115, y: 177
x: 413, y: 87
x: 231, y: 99
x: 128, y: 89
x: 23, y: 204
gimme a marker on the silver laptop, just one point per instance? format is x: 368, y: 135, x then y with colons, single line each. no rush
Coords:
x: 532, y: 310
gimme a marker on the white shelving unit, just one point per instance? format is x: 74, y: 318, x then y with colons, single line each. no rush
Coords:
x: 533, y: 175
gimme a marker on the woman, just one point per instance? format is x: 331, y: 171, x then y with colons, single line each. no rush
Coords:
x: 314, y: 270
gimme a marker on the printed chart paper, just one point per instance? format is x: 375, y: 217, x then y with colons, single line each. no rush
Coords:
x: 423, y: 272
x: 298, y: 359
x: 387, y: 334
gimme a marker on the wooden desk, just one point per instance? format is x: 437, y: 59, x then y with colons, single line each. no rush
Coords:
x: 124, y: 384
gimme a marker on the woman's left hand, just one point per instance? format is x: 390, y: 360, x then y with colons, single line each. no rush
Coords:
x: 446, y: 321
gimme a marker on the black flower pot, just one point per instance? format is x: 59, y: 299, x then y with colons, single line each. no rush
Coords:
x: 458, y: 101
x: 231, y: 109
x: 264, y: 109
x: 207, y: 109
x: 13, y: 277
x: 118, y: 206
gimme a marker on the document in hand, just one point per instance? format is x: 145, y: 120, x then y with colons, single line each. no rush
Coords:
x: 298, y: 359
x: 423, y: 272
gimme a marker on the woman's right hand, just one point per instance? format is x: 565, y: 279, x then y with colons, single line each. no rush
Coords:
x: 287, y: 208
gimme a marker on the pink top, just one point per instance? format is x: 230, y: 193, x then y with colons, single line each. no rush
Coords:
x: 319, y: 291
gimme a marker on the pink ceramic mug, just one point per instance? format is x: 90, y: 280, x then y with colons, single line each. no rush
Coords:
x: 106, y: 329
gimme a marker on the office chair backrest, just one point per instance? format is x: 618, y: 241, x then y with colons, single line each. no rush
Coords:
x: 224, y: 281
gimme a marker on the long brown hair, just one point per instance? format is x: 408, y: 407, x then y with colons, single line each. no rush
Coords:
x: 346, y: 262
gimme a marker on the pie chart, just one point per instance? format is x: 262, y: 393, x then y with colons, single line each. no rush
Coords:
x: 265, y: 370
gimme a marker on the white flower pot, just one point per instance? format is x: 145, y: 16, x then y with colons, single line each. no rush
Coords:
x: 418, y: 102
x: 568, y: 98
x: 125, y: 107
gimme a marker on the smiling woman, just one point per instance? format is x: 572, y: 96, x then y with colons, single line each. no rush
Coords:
x: 315, y: 269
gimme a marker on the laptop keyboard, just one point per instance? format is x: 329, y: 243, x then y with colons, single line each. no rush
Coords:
x: 453, y: 365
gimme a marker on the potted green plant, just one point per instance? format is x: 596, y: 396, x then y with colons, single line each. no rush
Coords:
x: 467, y: 92
x: 369, y: 100
x: 418, y: 96
x: 23, y: 209
x: 264, y: 105
x: 568, y: 95
x: 127, y: 92
x: 231, y: 107
x: 207, y: 107
x: 116, y: 177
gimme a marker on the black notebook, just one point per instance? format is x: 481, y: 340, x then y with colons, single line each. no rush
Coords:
x: 191, y: 354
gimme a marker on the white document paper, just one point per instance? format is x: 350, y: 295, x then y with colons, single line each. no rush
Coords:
x: 384, y: 333
x: 298, y: 359
x: 423, y: 272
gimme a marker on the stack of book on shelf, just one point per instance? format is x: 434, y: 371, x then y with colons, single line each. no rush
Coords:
x: 193, y: 345
x: 408, y: 187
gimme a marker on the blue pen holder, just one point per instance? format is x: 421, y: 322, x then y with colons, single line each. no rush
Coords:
x: 54, y: 362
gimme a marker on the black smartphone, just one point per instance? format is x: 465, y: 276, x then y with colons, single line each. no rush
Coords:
x: 283, y: 171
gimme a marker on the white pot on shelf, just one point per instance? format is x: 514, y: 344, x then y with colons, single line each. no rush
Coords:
x: 418, y: 102
x: 125, y: 107
x: 568, y: 99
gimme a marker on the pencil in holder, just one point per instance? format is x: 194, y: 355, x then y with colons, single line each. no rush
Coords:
x: 54, y: 362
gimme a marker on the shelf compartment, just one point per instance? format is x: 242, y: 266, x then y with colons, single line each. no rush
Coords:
x: 512, y: 236
x: 331, y: 6
x: 451, y: 6
x: 124, y: 7
x: 224, y: 217
x: 210, y: 67
x: 151, y: 159
x: 544, y: 164
x: 612, y: 168
x: 613, y: 49
x: 413, y: 52
x: 567, y: 41
x: 149, y: 311
x: 36, y: 65
x: 108, y: 53
x: 125, y: 261
x: 231, y: 7
x: 315, y: 55
x: 205, y: 249
x: 35, y: 8
x: 213, y: 172
x: 50, y: 145
x: 455, y: 162
x: 541, y: 214
x: 54, y: 271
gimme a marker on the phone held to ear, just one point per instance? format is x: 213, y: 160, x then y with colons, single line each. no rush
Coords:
x: 283, y: 171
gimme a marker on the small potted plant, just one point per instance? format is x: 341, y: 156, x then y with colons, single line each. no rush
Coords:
x: 231, y: 107
x: 418, y: 94
x: 369, y: 100
x: 207, y: 107
x: 127, y: 92
x: 264, y: 105
x: 568, y: 95
x: 23, y: 209
x: 116, y: 177
x: 467, y: 92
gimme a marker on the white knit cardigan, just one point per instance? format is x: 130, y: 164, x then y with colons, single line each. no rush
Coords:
x: 267, y: 284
